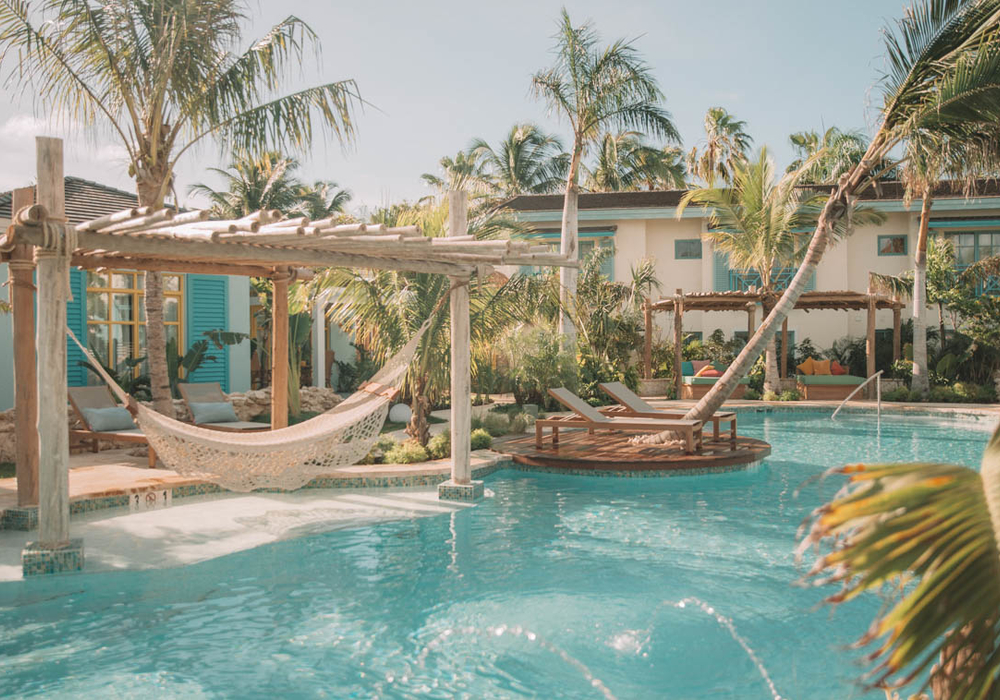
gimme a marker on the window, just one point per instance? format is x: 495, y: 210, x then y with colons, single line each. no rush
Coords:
x: 973, y: 246
x: 892, y: 245
x: 687, y: 249
x: 587, y: 248
x: 116, y: 317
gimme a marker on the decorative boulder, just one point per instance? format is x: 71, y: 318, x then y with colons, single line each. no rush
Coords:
x: 400, y: 413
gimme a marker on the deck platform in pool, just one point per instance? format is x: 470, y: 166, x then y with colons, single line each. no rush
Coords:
x: 607, y: 451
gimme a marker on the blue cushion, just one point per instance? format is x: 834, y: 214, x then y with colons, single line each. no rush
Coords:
x: 687, y: 369
x: 215, y: 412
x: 112, y: 418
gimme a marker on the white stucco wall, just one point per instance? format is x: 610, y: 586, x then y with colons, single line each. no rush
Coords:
x: 239, y: 322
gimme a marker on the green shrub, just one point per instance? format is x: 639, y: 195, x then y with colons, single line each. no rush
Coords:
x: 751, y: 395
x: 409, y: 452
x: 519, y: 423
x: 439, y: 446
x: 477, y: 422
x: 898, y: 394
x: 537, y: 363
x: 770, y: 396
x: 975, y: 393
x: 944, y: 394
x: 496, y: 424
x: 378, y: 451
x: 902, y: 369
x: 790, y: 395
x: 481, y: 440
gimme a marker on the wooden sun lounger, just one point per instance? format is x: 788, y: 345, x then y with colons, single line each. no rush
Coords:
x: 81, y: 397
x: 591, y: 419
x: 211, y: 392
x: 630, y: 404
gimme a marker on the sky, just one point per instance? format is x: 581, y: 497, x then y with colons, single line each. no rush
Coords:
x: 439, y: 73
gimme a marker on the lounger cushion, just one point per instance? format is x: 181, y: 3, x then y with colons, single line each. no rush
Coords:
x: 706, y: 371
x: 687, y: 369
x: 806, y: 368
x: 221, y: 412
x: 708, y: 380
x: 101, y: 420
x: 830, y: 380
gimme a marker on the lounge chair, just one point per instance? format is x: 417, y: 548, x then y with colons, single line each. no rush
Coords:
x: 592, y: 420
x: 630, y: 404
x: 205, y: 402
x: 86, y: 399
x: 693, y: 387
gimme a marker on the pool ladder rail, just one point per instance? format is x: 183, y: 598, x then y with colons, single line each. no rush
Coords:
x: 878, y: 394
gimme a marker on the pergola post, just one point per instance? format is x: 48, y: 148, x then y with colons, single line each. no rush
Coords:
x: 279, y: 350
x: 25, y: 377
x: 54, y: 551
x: 751, y: 320
x: 784, y: 348
x: 460, y: 487
x: 319, y: 341
x: 870, y: 337
x: 897, y: 323
x: 678, y: 340
x: 647, y: 349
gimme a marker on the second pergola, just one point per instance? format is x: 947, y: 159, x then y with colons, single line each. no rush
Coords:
x: 748, y: 301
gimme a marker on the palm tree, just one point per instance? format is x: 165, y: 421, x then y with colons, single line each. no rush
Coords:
x: 943, y: 77
x: 322, y: 199
x: 625, y: 163
x: 527, y: 161
x: 384, y: 309
x: 926, y: 536
x: 163, y: 77
x: 839, y: 151
x: 463, y: 172
x: 756, y: 222
x: 596, y: 90
x: 726, y: 143
x: 251, y: 184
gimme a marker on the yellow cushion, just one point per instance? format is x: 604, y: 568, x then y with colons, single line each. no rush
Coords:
x: 806, y: 367
x: 821, y: 367
x: 706, y: 368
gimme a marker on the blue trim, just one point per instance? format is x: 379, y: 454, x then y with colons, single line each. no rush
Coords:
x: 972, y: 224
x: 677, y: 247
x: 551, y: 235
x: 883, y: 237
x: 206, y: 301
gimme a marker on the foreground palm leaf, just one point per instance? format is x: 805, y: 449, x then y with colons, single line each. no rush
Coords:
x: 927, y: 535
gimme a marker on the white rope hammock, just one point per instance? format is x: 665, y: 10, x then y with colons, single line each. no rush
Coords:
x: 286, y: 458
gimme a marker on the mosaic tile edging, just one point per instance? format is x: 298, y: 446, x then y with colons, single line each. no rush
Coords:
x: 38, y: 561
x: 638, y: 473
x: 463, y: 493
x: 26, y: 519
x: 983, y: 418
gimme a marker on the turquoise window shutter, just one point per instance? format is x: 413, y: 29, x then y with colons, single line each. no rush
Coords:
x: 207, y: 309
x: 720, y: 272
x: 76, y: 319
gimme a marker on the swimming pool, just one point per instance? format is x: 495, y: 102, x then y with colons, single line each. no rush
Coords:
x: 557, y: 586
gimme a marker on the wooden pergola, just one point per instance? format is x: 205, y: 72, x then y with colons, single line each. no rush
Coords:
x: 747, y: 301
x: 265, y: 244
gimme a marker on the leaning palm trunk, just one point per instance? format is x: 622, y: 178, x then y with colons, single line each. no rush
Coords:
x: 772, y: 378
x: 920, y: 370
x: 836, y: 208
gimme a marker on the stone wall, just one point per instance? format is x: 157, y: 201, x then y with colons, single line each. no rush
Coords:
x: 247, y: 405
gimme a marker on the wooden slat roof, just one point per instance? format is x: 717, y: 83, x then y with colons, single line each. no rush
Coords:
x: 85, y: 200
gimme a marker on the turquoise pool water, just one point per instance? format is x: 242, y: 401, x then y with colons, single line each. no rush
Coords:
x: 556, y: 586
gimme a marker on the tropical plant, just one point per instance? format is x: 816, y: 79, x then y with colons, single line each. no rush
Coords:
x: 756, y: 222
x: 943, y: 76
x: 537, y: 363
x: 384, y: 309
x: 595, y: 90
x: 164, y: 76
x: 124, y: 374
x: 183, y: 365
x: 832, y: 154
x: 625, y: 163
x: 527, y: 161
x: 925, y: 537
x: 464, y: 173
x: 321, y: 199
x: 726, y: 144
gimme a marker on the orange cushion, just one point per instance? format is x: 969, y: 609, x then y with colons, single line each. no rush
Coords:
x: 837, y: 369
x: 710, y: 372
x: 806, y: 367
x: 821, y: 367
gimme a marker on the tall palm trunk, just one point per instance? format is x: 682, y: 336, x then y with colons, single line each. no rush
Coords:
x: 569, y: 247
x: 835, y: 209
x: 420, y: 407
x: 772, y: 378
x: 150, y: 195
x: 920, y: 381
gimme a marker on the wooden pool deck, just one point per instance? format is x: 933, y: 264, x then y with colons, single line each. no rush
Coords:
x: 613, y: 452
